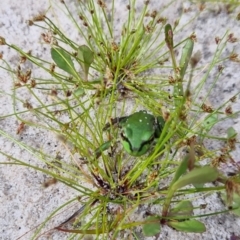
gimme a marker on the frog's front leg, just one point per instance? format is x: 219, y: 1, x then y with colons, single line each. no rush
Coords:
x: 115, y: 121
x: 102, y: 148
x: 106, y: 145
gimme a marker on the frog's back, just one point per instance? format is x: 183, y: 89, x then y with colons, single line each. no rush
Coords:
x: 139, y: 128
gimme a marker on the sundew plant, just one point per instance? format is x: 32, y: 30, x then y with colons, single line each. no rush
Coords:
x: 131, y: 107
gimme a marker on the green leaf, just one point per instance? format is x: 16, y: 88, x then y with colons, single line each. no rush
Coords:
x: 186, y: 56
x: 63, y: 60
x: 79, y: 92
x: 85, y: 57
x: 181, y: 169
x: 169, y: 36
x: 231, y: 133
x: 235, y: 204
x: 197, y: 176
x: 210, y: 121
x: 152, y: 226
x: 191, y: 225
x: 182, y: 210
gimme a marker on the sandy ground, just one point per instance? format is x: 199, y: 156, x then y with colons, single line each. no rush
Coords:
x: 23, y: 200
